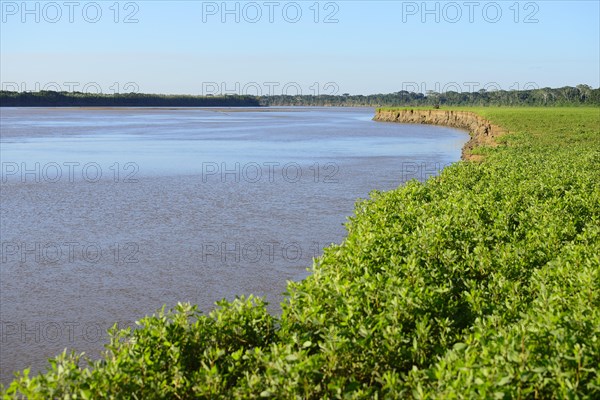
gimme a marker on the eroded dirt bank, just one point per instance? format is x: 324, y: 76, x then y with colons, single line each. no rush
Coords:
x: 482, y: 131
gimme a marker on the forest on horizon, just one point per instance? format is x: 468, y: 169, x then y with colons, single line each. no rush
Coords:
x: 580, y: 95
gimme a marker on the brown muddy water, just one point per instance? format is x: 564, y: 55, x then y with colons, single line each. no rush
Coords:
x: 109, y: 214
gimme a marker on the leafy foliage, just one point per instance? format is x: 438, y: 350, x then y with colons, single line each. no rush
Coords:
x: 483, y: 282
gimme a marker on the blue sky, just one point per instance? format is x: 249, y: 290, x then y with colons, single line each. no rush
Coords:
x: 357, y: 47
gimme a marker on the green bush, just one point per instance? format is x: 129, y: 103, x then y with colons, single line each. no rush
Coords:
x: 483, y: 282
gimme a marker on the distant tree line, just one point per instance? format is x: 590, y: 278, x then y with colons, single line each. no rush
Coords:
x: 581, y: 95
x: 565, y: 96
x: 78, y: 99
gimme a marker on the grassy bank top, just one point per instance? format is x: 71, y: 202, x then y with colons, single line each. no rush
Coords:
x: 482, y: 282
x: 536, y: 126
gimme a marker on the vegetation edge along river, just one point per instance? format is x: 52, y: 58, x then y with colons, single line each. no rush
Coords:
x: 482, y: 131
x: 580, y: 95
x: 482, y: 282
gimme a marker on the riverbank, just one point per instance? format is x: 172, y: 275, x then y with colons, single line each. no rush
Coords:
x: 482, y: 131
